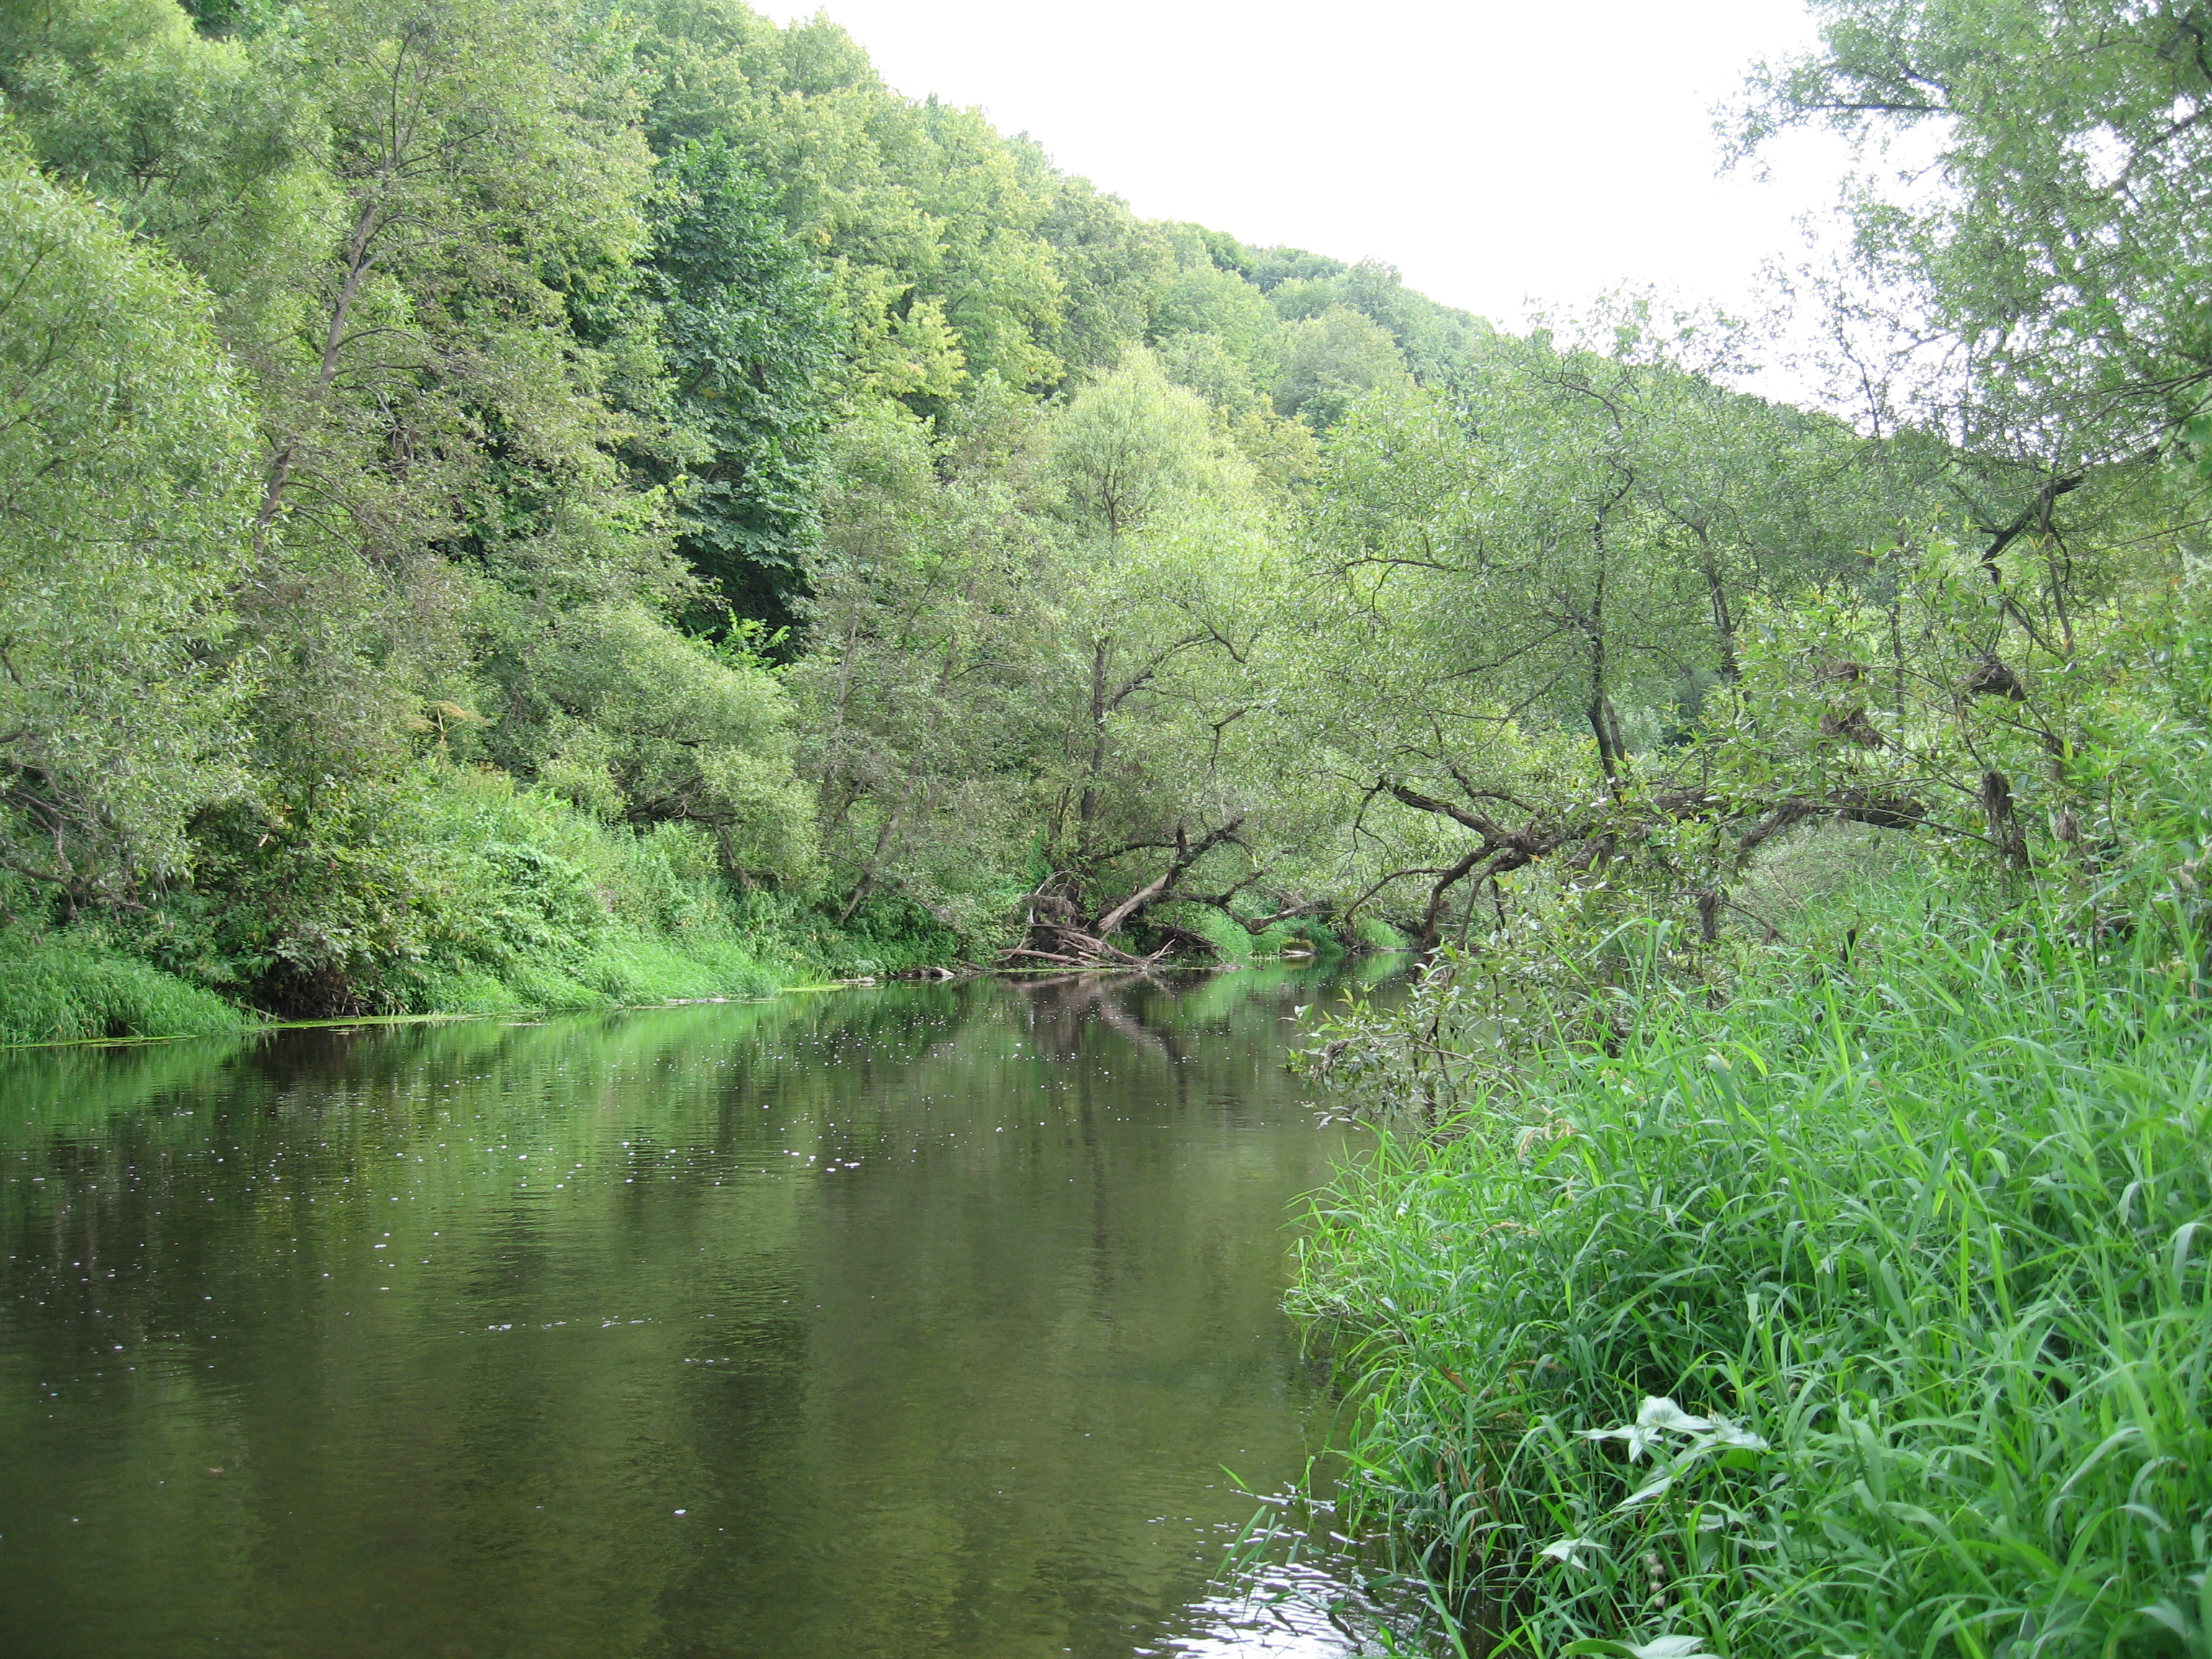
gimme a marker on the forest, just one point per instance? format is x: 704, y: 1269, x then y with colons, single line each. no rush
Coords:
x: 527, y: 504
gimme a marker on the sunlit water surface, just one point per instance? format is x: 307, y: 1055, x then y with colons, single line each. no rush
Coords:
x: 903, y: 1322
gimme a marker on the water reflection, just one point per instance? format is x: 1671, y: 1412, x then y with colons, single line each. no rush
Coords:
x: 912, y: 1321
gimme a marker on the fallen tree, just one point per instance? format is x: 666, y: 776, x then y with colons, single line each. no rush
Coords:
x: 1064, y: 925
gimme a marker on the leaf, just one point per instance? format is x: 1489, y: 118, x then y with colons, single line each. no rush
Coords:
x: 1638, y: 1439
x: 2166, y: 1613
x: 1563, y: 1549
x: 1670, y: 1647
x: 1725, y: 1433
x: 1666, y: 1414
x: 1654, y: 1488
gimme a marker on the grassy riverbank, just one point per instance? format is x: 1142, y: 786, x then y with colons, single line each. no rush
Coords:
x: 453, y: 890
x: 450, y: 892
x: 1918, y: 1234
x: 82, y: 985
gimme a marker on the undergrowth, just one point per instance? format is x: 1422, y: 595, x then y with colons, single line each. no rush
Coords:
x: 451, y: 890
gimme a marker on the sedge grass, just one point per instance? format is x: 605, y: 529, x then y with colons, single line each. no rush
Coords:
x: 1929, y: 1232
x: 72, y: 987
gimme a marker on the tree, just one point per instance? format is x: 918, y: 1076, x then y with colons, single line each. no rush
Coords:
x: 1202, y: 299
x: 2058, y: 274
x: 1110, y: 264
x: 1332, y: 360
x: 1523, y: 605
x: 437, y: 421
x: 1170, y: 565
x: 629, y: 718
x: 932, y: 618
x: 747, y: 334
x: 196, y: 145
x: 126, y: 454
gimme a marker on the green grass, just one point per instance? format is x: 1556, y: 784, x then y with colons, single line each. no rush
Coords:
x: 1922, y: 1238
x: 73, y: 985
x: 449, y: 891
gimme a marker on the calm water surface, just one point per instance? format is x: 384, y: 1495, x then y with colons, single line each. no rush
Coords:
x: 900, y: 1321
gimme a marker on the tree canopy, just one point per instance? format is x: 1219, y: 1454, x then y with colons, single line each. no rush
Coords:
x: 660, y: 411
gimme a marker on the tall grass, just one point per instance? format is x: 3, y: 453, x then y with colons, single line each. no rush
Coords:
x: 75, y: 985
x: 1869, y: 1314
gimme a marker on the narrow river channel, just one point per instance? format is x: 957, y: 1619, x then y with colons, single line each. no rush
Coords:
x: 901, y: 1322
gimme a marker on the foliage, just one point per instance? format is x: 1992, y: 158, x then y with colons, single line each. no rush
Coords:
x: 530, y: 505
x: 2063, y: 261
x: 615, y: 710
x: 78, y: 986
x: 1917, y: 1225
x: 123, y: 529
x: 930, y: 601
x: 1332, y: 360
x: 746, y: 330
x: 450, y: 889
x: 1872, y: 1193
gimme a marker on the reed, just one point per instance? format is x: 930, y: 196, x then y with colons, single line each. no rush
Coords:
x: 73, y: 985
x: 1869, y: 1314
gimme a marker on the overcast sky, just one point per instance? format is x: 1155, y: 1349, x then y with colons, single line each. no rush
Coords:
x: 1494, y: 152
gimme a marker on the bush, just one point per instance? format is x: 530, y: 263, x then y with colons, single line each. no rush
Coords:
x: 453, y: 890
x: 1373, y: 933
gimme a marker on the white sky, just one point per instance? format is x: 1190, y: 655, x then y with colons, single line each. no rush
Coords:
x: 1496, y: 153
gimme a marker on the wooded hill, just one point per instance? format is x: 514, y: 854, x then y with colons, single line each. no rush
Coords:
x: 527, y: 503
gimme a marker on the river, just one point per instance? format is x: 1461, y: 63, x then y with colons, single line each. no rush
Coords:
x: 903, y: 1321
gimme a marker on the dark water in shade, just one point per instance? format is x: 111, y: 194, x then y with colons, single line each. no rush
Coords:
x: 907, y: 1322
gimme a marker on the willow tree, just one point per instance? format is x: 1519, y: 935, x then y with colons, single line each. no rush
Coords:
x: 1526, y: 597
x: 921, y: 687
x: 2045, y: 306
x: 126, y: 458
x: 1166, y: 556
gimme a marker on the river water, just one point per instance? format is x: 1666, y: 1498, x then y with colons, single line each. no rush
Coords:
x: 907, y: 1322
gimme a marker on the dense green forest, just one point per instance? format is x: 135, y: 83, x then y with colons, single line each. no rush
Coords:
x: 531, y: 503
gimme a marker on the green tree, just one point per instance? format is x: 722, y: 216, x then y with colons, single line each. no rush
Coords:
x: 126, y: 454
x: 2060, y: 273
x: 1170, y: 565
x: 933, y: 611
x: 1524, y: 604
x: 1332, y: 360
x: 747, y: 333
x: 201, y: 146
x: 1111, y: 264
x: 634, y: 721
x: 437, y: 422
x: 1204, y: 300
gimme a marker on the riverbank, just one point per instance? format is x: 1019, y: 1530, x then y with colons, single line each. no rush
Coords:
x: 454, y: 892
x: 81, y: 987
x: 1866, y: 1313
